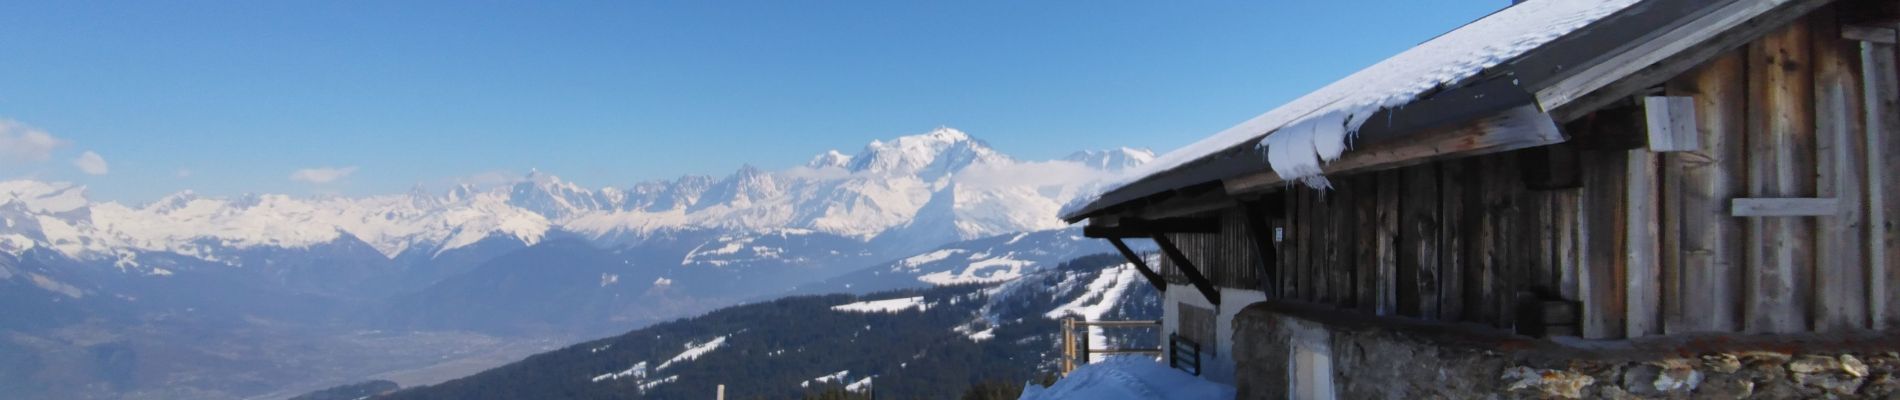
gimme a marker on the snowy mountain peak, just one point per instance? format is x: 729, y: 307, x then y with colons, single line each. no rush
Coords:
x: 948, y: 133
x: 930, y: 156
x: 830, y: 158
x: 549, y: 196
x: 1116, y: 159
x: 43, y: 196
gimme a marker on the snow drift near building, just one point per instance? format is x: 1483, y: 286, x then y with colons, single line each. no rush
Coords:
x: 1129, y: 377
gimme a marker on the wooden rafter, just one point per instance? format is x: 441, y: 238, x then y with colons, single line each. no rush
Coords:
x: 1262, y: 239
x: 1161, y: 285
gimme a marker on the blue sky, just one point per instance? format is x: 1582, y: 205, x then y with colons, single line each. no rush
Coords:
x: 236, y: 97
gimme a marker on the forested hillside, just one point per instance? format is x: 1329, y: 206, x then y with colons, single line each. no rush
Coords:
x: 927, y: 343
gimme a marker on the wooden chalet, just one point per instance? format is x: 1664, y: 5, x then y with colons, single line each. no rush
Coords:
x: 1675, y: 182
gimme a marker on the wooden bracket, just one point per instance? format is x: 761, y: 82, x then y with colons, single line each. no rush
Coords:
x: 1870, y: 33
x: 1160, y: 284
x: 1187, y: 268
x: 1783, y: 207
x: 1671, y: 123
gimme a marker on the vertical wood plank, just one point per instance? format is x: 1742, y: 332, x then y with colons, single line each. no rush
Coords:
x: 1482, y: 242
x: 1291, y: 248
x: 1289, y: 243
x: 1840, y: 273
x: 1341, y: 219
x: 1711, y: 241
x: 1329, y: 247
x: 1601, y: 280
x: 1780, y: 164
x: 1419, y: 248
x: 1669, y: 241
x: 1504, y: 269
x: 1451, y: 246
x: 1566, y: 215
x: 1309, y: 260
x: 1366, y: 208
x: 1882, y: 101
x: 1641, y: 272
x: 1388, y: 213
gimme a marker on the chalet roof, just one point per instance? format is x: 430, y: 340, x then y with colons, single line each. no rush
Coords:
x: 1525, y: 54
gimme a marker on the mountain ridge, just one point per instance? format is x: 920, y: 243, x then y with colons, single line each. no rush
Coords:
x: 882, y: 194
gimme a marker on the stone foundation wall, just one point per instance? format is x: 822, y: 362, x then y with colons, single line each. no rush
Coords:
x: 1392, y: 358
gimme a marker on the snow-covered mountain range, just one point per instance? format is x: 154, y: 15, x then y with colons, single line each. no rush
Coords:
x: 906, y: 194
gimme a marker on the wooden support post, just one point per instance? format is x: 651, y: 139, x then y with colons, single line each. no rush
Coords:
x: 1068, y: 345
x: 1881, y: 98
x: 1160, y: 283
x: 1188, y: 269
x: 1642, y: 271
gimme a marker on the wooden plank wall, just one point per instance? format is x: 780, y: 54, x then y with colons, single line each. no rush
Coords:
x: 1228, y: 258
x: 1647, y: 245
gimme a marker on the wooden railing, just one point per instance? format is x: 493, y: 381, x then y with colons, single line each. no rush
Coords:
x: 1077, y: 350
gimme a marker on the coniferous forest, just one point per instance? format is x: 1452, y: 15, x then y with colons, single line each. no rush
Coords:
x: 779, y: 349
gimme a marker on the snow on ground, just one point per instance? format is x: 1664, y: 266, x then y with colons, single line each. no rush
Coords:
x: 828, y: 378
x: 649, y: 385
x: 1319, y: 126
x: 884, y: 306
x: 926, y: 258
x: 998, y: 270
x: 983, y: 335
x: 1132, y: 377
x: 1102, y: 295
x: 693, y: 351
x: 859, y: 386
x: 637, y: 371
x: 969, y: 330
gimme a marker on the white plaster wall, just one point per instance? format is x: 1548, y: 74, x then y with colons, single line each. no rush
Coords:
x: 1219, y: 367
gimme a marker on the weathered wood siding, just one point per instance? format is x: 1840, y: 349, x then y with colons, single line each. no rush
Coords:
x: 1648, y: 243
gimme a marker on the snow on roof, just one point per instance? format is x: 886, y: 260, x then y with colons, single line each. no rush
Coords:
x: 884, y: 306
x: 1319, y: 126
x: 1128, y: 377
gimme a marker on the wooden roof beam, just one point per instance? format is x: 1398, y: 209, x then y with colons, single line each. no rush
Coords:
x: 1516, y: 128
x: 1138, y: 228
